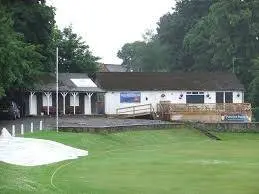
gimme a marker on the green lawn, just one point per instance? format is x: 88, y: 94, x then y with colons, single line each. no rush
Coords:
x: 177, y: 161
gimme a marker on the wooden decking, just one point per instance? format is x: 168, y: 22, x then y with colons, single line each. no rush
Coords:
x: 165, y: 109
x: 231, y: 107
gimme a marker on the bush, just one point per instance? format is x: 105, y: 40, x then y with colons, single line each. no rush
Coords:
x: 256, y: 114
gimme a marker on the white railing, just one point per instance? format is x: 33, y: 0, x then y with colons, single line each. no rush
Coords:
x: 22, y: 129
x: 136, y: 110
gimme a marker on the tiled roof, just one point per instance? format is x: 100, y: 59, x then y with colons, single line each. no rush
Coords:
x: 214, y: 81
x: 47, y: 82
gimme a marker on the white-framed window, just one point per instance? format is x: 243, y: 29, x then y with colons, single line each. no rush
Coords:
x: 195, y: 97
x: 45, y: 100
x: 72, y: 100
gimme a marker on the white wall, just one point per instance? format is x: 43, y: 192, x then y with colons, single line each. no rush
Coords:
x: 72, y: 100
x: 211, y: 98
x: 87, y: 105
x: 45, y: 101
x: 33, y: 105
x: 112, y: 99
x: 238, y: 97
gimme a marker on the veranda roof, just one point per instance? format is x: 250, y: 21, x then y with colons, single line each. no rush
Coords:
x: 68, y: 82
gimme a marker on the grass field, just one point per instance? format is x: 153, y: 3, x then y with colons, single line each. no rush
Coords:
x: 177, y: 161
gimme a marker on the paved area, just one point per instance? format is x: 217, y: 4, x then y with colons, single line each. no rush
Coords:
x: 73, y: 121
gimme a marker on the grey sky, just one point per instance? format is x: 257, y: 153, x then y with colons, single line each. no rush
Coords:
x: 106, y: 25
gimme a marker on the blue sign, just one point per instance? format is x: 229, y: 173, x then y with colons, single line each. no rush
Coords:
x: 236, y: 117
x: 130, y: 97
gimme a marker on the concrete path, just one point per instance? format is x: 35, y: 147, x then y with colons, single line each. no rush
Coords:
x: 73, y: 121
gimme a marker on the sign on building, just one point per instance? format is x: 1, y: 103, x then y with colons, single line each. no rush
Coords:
x: 235, y: 118
x: 130, y: 97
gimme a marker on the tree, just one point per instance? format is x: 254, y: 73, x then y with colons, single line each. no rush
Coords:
x: 19, y: 61
x: 35, y: 21
x: 74, y: 53
x: 144, y: 56
x: 131, y: 54
x: 228, y: 32
x: 173, y: 27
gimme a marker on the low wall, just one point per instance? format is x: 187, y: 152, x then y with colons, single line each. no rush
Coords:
x: 201, y: 117
x: 252, y: 127
x: 118, y: 128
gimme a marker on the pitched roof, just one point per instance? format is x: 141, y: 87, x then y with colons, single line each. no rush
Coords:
x: 111, y: 68
x: 77, y: 82
x: 213, y: 81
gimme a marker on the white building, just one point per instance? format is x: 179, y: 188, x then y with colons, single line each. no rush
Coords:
x: 108, y: 92
x: 78, y: 94
x: 127, y: 89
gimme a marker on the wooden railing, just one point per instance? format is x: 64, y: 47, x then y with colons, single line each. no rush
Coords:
x: 136, y: 110
x: 168, y: 108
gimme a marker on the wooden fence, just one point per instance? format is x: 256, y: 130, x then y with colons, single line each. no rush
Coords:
x: 165, y: 109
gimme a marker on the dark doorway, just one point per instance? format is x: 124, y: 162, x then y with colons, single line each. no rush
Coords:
x: 219, y: 97
x: 100, y: 103
x: 228, y: 97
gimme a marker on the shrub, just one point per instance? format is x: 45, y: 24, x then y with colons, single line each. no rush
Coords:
x: 256, y: 114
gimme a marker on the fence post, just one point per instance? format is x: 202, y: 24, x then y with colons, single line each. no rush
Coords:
x: 13, y: 130
x: 22, y: 129
x: 31, y: 127
x: 40, y: 125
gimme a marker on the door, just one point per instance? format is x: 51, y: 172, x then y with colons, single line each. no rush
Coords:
x: 100, y: 103
x: 219, y: 97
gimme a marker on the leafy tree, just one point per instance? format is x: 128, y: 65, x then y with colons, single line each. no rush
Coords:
x: 131, y: 54
x: 173, y: 27
x: 35, y: 21
x: 19, y: 61
x: 225, y: 36
x: 74, y: 53
x: 147, y: 55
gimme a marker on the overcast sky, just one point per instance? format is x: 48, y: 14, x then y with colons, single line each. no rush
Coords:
x: 106, y: 25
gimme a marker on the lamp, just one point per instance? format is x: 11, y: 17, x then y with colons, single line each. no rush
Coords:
x: 181, y: 95
x: 208, y: 96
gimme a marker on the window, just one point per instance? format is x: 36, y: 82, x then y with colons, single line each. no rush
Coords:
x: 228, y: 97
x: 195, y: 99
x: 100, y: 97
x: 189, y: 92
x: 195, y: 92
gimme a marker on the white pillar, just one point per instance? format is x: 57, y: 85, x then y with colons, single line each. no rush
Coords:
x: 31, y: 127
x: 48, y: 95
x: 88, y: 105
x: 30, y: 104
x: 74, y: 94
x: 22, y: 129
x: 13, y: 130
x: 64, y: 94
x: 85, y: 104
x: 40, y: 125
